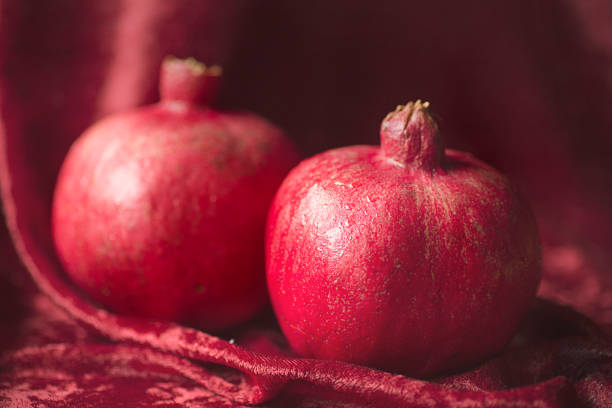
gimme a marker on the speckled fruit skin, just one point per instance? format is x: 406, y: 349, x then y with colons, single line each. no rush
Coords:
x: 160, y: 211
x: 404, y: 257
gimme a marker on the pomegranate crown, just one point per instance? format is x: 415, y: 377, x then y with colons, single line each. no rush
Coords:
x: 409, y: 137
x: 189, y: 80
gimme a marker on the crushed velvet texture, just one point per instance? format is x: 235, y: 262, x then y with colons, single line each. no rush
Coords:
x: 524, y: 85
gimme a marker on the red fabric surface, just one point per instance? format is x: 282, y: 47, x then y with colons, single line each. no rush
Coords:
x: 526, y: 86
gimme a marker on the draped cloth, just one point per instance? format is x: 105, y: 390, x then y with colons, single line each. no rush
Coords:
x: 526, y: 86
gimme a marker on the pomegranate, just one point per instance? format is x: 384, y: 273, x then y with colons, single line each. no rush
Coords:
x: 160, y: 211
x: 407, y: 257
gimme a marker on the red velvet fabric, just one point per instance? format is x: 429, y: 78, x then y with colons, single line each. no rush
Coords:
x: 526, y: 86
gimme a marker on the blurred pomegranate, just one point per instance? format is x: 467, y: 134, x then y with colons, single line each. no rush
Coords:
x: 160, y: 211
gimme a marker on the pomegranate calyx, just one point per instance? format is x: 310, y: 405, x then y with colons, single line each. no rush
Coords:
x: 409, y: 137
x: 189, y: 81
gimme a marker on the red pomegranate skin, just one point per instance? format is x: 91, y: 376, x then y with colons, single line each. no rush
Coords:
x: 160, y: 211
x: 404, y: 257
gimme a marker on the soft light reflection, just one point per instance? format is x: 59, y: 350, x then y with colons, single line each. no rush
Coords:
x: 320, y: 210
x: 124, y: 184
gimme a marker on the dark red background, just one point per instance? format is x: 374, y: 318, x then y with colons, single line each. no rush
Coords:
x: 525, y: 85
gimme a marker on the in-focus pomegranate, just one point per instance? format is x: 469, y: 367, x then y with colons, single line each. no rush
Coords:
x: 405, y: 257
x: 160, y: 211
